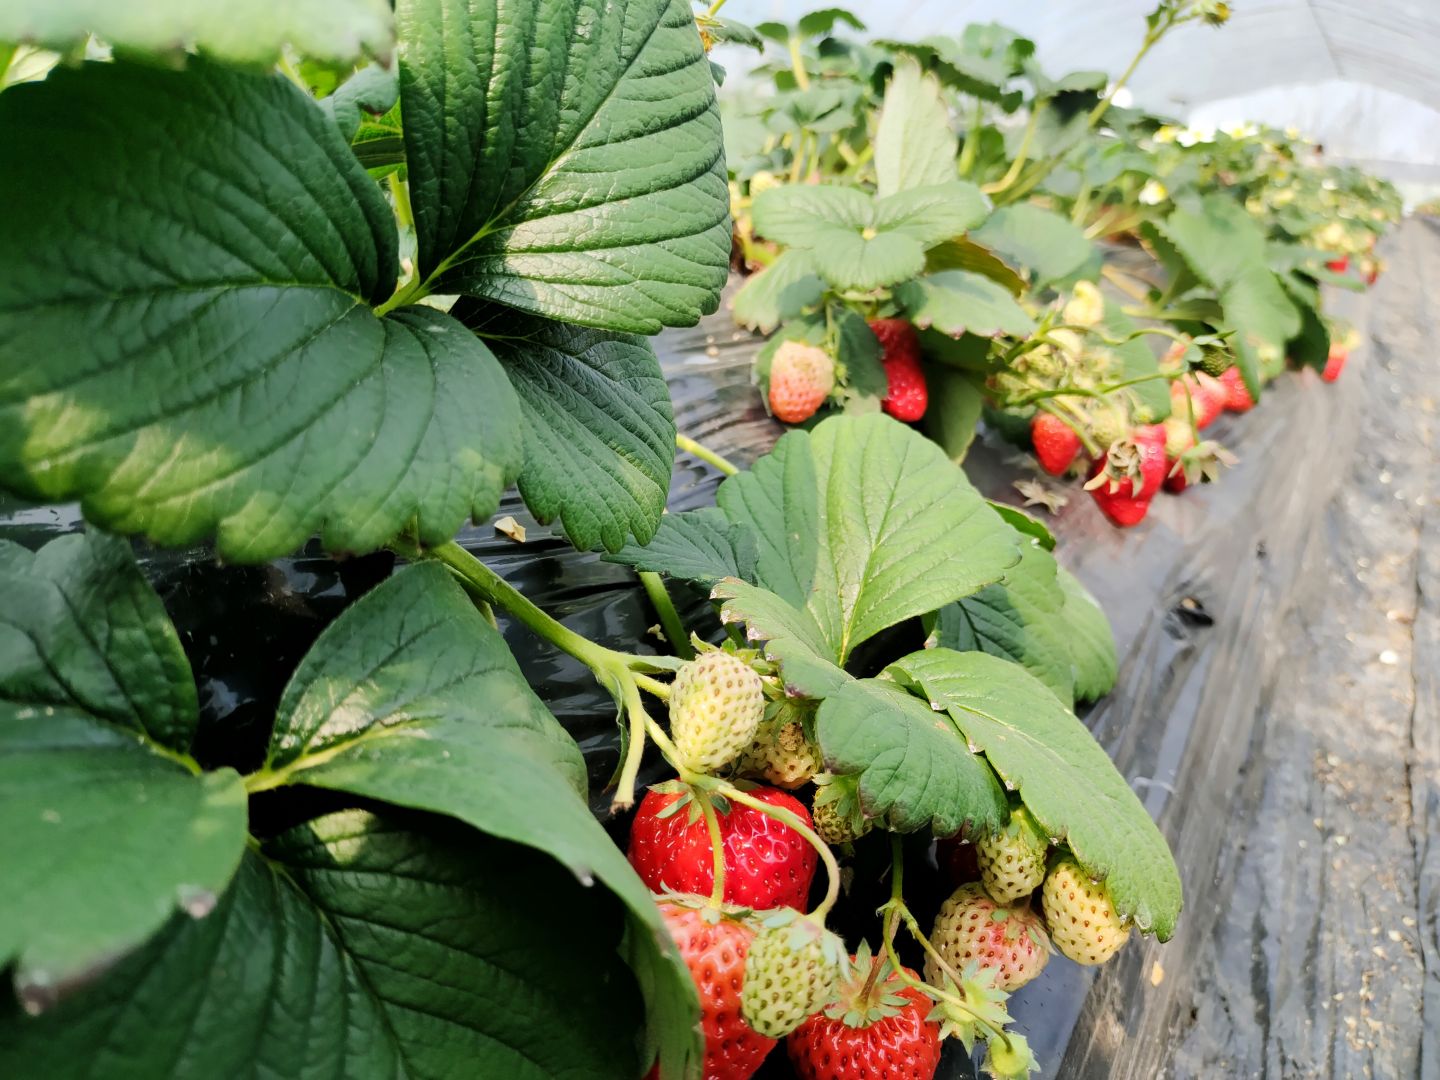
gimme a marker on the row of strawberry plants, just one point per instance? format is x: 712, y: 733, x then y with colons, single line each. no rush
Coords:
x: 351, y: 276
x: 991, y: 202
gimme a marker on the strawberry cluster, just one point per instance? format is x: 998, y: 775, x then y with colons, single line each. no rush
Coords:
x: 803, y: 378
x: 733, y: 863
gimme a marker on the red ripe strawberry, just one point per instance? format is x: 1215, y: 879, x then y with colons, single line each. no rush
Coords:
x: 972, y: 928
x: 1237, y: 397
x: 877, y: 1028
x: 801, y: 378
x: 767, y: 863
x: 1339, y: 265
x: 1127, y: 478
x: 900, y: 354
x: 1205, y: 394
x: 1056, y: 444
x: 1178, y: 438
x: 714, y: 947
x: 1335, y: 362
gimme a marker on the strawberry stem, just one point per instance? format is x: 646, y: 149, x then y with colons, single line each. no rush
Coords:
x: 895, y: 910
x: 786, y: 817
x: 669, y: 617
x: 717, y: 848
x: 705, y: 454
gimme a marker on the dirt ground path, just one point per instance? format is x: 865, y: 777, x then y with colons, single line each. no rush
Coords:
x: 1324, y: 960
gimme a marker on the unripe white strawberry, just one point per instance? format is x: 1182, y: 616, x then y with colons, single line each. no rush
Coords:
x: 782, y: 756
x: 971, y: 928
x: 1083, y: 922
x: 790, y: 974
x: 716, y: 704
x: 1012, y: 861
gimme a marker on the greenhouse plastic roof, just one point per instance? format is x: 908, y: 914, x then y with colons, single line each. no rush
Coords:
x: 1359, y: 75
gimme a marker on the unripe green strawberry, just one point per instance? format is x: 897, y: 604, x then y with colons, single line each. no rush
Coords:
x: 837, y: 827
x: 1013, y: 1062
x: 1107, y: 427
x: 972, y: 928
x: 790, y: 974
x: 1215, y: 361
x: 836, y: 810
x: 716, y: 704
x: 1012, y: 862
x: 1082, y: 920
x: 781, y: 755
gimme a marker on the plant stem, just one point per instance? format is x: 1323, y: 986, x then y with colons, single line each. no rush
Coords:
x: 717, y: 848
x: 1124, y: 282
x: 971, y: 149
x: 710, y: 457
x: 492, y: 588
x: 1013, y: 172
x: 651, y: 686
x: 634, y: 751
x: 400, y: 192
x: 669, y: 617
x: 413, y: 290
x: 896, y: 910
x: 797, y: 64
x: 1046, y: 167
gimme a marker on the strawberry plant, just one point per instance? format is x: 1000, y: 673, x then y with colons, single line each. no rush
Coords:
x: 1002, y: 318
x: 842, y: 550
x: 254, y: 294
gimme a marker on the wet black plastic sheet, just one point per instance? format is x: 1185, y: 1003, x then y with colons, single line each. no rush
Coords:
x: 1203, y: 598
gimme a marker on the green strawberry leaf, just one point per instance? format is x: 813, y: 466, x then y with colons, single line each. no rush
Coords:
x: 857, y: 241
x: 97, y: 710
x: 221, y: 373
x: 965, y: 254
x: 914, y: 146
x: 411, y: 697
x: 599, y: 428
x: 956, y: 301
x: 1018, y: 618
x: 1025, y: 525
x: 956, y: 401
x: 137, y: 829
x: 357, y: 945
x: 370, y: 92
x: 702, y: 546
x: 1260, y: 312
x: 932, y: 213
x: 858, y: 351
x: 864, y: 523
x: 822, y: 22
x: 254, y: 33
x: 1064, y: 776
x: 1051, y: 247
x: 1226, y: 248
x: 566, y: 159
x: 792, y: 637
x: 915, y: 769
x: 1091, y: 641
x: 781, y: 291
x: 81, y: 627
